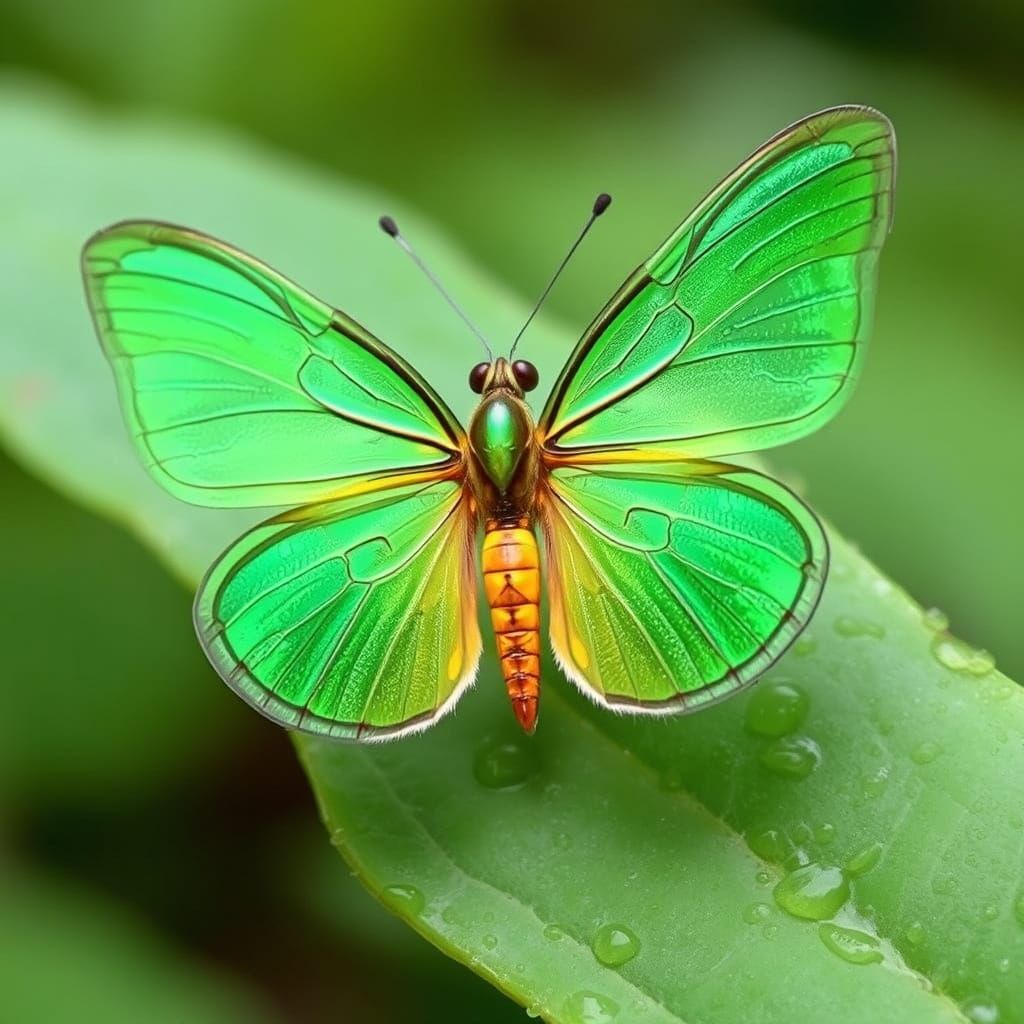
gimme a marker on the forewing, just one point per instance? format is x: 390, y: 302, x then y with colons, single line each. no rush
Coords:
x: 355, y: 619
x: 745, y: 329
x: 240, y: 388
x: 670, y: 589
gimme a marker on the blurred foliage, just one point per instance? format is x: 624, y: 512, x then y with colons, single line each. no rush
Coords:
x: 501, y: 120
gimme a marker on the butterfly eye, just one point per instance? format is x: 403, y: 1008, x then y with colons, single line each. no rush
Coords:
x: 526, y: 374
x: 477, y: 376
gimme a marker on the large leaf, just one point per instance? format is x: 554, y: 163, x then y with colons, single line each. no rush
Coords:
x: 842, y: 843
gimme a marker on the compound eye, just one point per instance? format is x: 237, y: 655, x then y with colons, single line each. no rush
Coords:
x: 526, y: 374
x: 477, y: 376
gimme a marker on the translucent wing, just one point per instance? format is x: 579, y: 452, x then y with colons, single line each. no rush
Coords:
x: 355, y: 618
x: 242, y: 389
x: 673, y: 587
x: 746, y: 327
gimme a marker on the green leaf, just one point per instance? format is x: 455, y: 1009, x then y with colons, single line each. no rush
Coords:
x: 846, y: 835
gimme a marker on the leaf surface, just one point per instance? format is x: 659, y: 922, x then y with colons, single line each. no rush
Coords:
x: 841, y: 843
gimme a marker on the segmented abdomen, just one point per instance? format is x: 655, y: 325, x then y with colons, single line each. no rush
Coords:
x: 511, y: 567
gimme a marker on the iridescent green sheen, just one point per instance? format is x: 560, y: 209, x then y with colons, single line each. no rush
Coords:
x: 673, y: 581
x: 499, y: 435
x: 675, y: 584
x: 746, y: 327
x: 355, y: 619
x: 673, y: 587
x: 242, y: 389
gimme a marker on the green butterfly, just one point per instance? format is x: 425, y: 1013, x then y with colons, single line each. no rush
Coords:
x: 672, y: 579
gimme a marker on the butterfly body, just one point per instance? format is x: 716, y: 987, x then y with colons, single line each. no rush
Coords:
x: 672, y: 577
x: 504, y: 459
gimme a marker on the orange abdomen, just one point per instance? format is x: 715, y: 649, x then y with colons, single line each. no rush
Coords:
x: 511, y: 566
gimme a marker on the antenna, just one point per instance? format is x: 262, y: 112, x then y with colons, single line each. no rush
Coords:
x: 601, y: 203
x: 389, y: 227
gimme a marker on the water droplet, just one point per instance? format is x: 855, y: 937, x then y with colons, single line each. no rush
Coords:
x: 805, y: 644
x: 755, y: 913
x: 845, y: 625
x: 961, y: 657
x: 915, y: 933
x: 615, y: 944
x: 864, y: 859
x: 935, y: 619
x: 1003, y: 965
x: 590, y: 1008
x: 812, y: 891
x: 874, y: 784
x: 769, y: 931
x: 990, y: 912
x: 775, y: 709
x: 505, y: 763
x: 553, y: 933
x: 563, y: 840
x: 925, y: 752
x: 770, y: 844
x: 825, y: 833
x: 406, y: 899
x: 981, y: 1011
x: 763, y: 877
x: 853, y: 946
x: 792, y: 757
x: 533, y: 1011
x: 490, y: 942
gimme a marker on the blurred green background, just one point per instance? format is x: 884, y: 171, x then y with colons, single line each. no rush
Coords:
x: 125, y: 894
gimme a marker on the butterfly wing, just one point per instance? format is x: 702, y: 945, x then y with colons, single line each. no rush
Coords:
x: 671, y: 587
x: 352, y: 616
x: 746, y: 328
x: 240, y: 388
x: 673, y: 580
x: 355, y: 618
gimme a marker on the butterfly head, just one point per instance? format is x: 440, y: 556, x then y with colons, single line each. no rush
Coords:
x: 518, y: 377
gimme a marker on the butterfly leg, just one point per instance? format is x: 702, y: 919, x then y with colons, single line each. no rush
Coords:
x: 511, y: 568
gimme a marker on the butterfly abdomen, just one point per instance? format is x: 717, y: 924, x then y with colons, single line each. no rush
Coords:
x: 511, y: 567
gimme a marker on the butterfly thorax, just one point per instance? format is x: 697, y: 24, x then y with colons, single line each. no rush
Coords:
x: 503, y: 449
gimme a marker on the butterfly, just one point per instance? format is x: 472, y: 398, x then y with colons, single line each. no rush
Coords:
x: 672, y: 579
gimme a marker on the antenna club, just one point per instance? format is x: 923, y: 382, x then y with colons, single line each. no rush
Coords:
x: 388, y: 226
x: 601, y: 203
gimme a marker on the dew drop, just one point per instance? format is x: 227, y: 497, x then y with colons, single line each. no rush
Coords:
x: 490, y: 942
x: 590, y: 1008
x: 615, y: 944
x: 990, y: 912
x: 769, y: 931
x: 812, y: 891
x: 504, y: 764
x: 406, y: 899
x: 851, y: 945
x: 935, y: 619
x: 925, y: 752
x: 553, y: 933
x: 763, y: 877
x: 775, y: 709
x: 961, y: 657
x: 874, y: 784
x: 864, y: 859
x: 805, y: 644
x: 755, y: 913
x: 825, y: 833
x: 981, y: 1011
x: 770, y: 844
x: 845, y: 625
x: 792, y: 757
x: 915, y: 933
